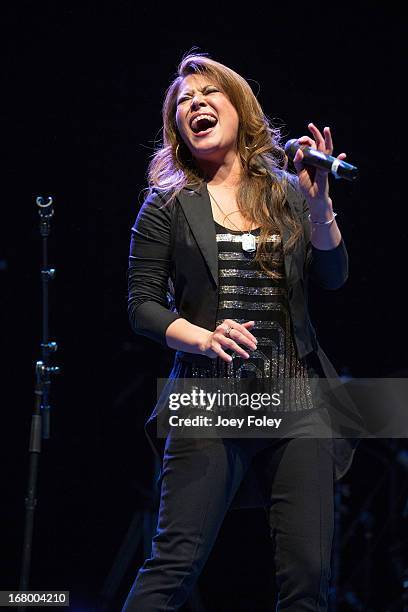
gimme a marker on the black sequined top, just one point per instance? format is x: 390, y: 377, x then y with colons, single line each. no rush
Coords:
x: 247, y: 293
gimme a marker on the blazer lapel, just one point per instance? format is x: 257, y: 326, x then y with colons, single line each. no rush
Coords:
x: 196, y: 205
x: 197, y: 209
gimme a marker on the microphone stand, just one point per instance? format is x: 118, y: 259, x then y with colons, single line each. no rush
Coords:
x: 40, y: 420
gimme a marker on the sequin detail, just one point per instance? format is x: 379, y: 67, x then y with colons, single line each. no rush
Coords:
x: 244, y: 290
x: 238, y: 304
x: 238, y: 256
x: 236, y: 272
x: 255, y: 296
x: 238, y: 237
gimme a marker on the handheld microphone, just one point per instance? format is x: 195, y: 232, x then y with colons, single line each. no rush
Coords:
x: 312, y: 157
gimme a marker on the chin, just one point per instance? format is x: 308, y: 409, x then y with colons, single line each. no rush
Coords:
x: 208, y: 152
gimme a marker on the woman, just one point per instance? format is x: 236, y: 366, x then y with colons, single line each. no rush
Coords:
x: 236, y: 236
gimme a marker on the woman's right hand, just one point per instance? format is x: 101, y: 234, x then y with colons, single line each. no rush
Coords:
x: 217, y: 341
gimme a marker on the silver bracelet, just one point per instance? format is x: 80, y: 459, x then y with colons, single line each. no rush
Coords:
x: 322, y: 222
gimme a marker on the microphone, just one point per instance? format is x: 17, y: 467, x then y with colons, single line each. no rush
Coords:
x: 312, y: 157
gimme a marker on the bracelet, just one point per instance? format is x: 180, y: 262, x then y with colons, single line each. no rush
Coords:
x: 322, y: 222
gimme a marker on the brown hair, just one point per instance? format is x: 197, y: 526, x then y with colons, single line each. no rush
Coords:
x: 261, y: 196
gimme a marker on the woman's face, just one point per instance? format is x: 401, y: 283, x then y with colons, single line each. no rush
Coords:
x: 206, y: 119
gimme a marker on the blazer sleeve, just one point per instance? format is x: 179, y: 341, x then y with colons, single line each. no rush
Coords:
x: 149, y: 270
x: 326, y: 268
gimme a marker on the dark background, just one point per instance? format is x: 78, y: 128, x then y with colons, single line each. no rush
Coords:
x: 82, y: 86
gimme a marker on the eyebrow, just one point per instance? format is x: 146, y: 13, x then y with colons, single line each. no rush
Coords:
x: 189, y: 91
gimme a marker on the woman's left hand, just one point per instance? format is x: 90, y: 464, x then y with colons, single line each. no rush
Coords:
x: 314, y: 181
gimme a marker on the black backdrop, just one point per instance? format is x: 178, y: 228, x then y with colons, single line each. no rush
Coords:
x: 83, y: 84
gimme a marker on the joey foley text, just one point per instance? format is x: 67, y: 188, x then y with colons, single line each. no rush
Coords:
x: 203, y: 400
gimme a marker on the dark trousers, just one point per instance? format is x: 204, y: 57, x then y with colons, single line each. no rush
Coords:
x: 199, y: 480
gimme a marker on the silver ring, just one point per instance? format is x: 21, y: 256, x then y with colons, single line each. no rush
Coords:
x: 227, y: 333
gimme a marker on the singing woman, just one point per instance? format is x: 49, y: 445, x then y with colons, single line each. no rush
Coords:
x: 236, y: 237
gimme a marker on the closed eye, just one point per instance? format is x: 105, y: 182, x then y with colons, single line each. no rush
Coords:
x: 210, y: 91
x: 205, y: 92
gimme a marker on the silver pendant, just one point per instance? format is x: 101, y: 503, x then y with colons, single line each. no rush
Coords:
x: 248, y: 243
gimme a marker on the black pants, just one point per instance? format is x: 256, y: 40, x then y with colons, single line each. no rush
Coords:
x: 199, y: 480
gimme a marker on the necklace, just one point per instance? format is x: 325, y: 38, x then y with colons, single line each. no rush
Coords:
x: 248, y: 239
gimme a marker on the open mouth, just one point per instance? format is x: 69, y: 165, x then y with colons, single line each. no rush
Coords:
x: 202, y: 124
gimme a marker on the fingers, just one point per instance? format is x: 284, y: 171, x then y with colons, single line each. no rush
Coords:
x: 298, y: 161
x: 238, y: 334
x: 323, y: 143
x: 220, y: 341
x: 229, y: 343
x: 320, y: 141
x: 328, y: 140
x: 248, y: 324
x: 240, y: 327
x: 306, y: 140
x: 218, y: 350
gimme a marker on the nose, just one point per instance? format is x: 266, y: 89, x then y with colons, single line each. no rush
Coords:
x: 197, y: 101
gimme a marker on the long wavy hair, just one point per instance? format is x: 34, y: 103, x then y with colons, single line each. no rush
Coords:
x: 261, y: 195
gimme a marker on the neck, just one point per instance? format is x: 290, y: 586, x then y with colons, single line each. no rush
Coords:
x: 226, y: 173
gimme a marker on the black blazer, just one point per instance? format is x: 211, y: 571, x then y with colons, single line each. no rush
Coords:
x: 179, y: 242
x: 175, y: 246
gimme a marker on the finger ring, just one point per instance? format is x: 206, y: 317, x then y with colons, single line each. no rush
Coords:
x: 227, y: 333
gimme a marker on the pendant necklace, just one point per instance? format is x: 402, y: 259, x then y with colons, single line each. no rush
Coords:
x: 248, y: 239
